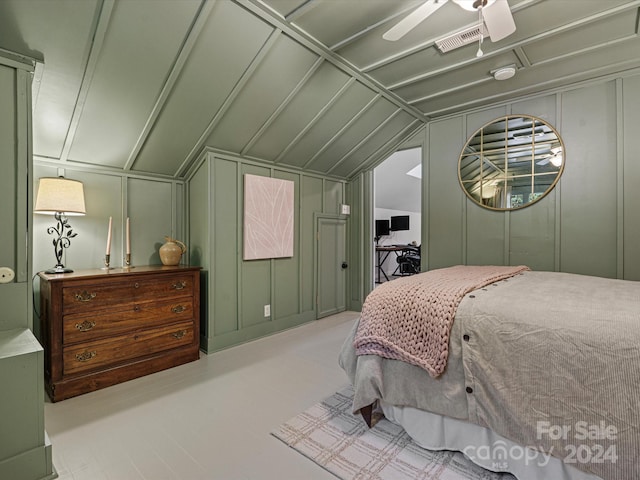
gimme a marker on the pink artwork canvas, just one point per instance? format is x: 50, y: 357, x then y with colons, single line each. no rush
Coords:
x: 268, y: 217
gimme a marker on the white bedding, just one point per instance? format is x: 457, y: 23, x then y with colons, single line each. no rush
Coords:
x: 566, y: 358
x: 481, y: 445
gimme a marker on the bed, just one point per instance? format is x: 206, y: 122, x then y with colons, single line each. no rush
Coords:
x: 541, y: 374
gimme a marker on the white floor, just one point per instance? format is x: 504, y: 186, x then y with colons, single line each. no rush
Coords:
x: 209, y: 419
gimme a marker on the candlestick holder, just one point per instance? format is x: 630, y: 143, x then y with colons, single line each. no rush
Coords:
x: 107, y: 259
x: 127, y: 261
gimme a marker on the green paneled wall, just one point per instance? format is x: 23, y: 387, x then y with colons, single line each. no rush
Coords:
x: 333, y: 195
x: 311, y: 202
x: 286, y: 271
x: 200, y: 236
x: 630, y: 152
x: 443, y: 201
x: 237, y: 290
x: 155, y: 207
x: 224, y: 263
x: 149, y: 207
x: 353, y: 195
x: 588, y: 224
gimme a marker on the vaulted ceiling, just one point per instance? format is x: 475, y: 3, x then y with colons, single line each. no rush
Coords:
x: 146, y: 85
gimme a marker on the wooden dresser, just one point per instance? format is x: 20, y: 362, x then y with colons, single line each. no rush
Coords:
x: 102, y: 327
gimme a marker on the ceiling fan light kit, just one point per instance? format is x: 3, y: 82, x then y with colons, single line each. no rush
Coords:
x: 473, y: 5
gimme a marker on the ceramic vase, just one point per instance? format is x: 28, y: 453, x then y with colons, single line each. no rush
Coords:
x: 171, y: 251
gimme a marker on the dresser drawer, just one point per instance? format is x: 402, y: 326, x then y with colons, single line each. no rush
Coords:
x: 89, y: 297
x: 83, y: 327
x: 101, y: 353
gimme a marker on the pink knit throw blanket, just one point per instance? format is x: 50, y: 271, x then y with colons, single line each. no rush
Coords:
x: 410, y: 318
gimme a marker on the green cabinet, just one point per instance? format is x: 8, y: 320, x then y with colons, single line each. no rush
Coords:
x: 25, y: 452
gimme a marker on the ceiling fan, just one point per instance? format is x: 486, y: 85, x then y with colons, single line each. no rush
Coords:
x: 495, y: 14
x: 555, y: 158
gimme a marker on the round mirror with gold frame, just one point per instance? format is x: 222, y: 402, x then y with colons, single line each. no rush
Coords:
x: 511, y: 162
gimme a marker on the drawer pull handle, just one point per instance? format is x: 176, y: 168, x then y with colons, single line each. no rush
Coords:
x: 136, y: 285
x: 179, y: 285
x: 178, y: 309
x: 179, y: 334
x: 85, y: 296
x: 85, y: 326
x: 136, y: 308
x: 85, y: 356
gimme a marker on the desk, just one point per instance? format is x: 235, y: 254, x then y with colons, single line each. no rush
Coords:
x: 382, y: 253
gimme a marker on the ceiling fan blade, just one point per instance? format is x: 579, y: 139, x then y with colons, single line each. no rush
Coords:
x: 409, y: 22
x: 499, y: 20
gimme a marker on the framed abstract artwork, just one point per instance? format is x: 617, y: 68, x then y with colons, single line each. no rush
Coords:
x: 268, y: 217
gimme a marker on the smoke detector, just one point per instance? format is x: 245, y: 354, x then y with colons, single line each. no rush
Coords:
x: 504, y: 73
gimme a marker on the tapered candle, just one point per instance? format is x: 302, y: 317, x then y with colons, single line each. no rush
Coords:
x: 128, y: 238
x: 109, y: 238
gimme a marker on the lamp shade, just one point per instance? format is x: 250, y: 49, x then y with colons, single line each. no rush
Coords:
x: 59, y: 194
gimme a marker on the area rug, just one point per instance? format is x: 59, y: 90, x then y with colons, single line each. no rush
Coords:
x: 340, y: 442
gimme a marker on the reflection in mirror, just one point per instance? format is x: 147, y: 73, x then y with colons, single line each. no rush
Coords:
x: 511, y: 162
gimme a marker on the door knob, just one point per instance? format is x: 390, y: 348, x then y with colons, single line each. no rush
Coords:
x: 344, y: 265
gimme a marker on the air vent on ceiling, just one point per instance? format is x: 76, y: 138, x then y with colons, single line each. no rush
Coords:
x: 460, y: 39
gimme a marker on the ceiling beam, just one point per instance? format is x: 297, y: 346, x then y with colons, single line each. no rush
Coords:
x: 358, y: 145
x: 541, y: 36
x: 248, y: 73
x: 259, y: 8
x: 388, y: 148
x: 518, y: 52
x: 356, y: 36
x: 100, y: 30
x: 431, y: 41
x: 307, y: 76
x: 316, y: 118
x: 522, y: 57
x: 586, y: 77
x: 451, y: 90
x: 340, y: 132
x: 197, y: 26
x: 300, y: 10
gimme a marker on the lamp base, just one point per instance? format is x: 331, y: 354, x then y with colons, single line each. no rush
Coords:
x: 60, y: 243
x: 58, y: 269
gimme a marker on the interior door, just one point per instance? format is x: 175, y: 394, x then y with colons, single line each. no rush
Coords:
x: 332, y: 265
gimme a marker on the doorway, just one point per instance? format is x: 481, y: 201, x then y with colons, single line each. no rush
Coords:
x: 397, y: 213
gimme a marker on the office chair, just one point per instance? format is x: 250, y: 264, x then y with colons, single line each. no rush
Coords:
x: 409, y: 261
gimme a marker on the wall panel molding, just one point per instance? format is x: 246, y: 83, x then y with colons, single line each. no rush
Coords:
x: 584, y: 225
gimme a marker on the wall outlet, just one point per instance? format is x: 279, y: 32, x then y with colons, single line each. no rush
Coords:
x: 267, y: 310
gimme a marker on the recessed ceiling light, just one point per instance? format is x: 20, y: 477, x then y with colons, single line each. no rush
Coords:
x: 504, y: 73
